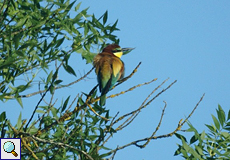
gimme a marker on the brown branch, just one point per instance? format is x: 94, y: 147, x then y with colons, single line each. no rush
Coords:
x: 144, y: 104
x: 132, y: 88
x: 137, y: 111
x: 157, y: 128
x: 193, y: 110
x: 28, y: 148
x: 152, y: 137
x: 91, y: 108
x: 59, y: 87
x: 129, y: 76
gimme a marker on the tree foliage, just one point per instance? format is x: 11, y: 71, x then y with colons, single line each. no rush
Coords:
x: 37, y: 40
x: 212, y: 145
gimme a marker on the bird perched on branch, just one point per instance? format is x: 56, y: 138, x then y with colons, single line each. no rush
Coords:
x: 109, y: 68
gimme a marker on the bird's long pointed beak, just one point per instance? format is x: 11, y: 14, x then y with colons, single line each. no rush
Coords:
x: 127, y: 50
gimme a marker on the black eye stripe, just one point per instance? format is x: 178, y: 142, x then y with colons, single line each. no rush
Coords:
x: 116, y: 50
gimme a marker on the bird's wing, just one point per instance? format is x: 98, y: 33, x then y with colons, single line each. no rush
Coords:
x: 118, y: 70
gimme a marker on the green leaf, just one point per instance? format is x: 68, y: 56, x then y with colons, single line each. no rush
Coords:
x: 185, y: 145
x: 54, y: 112
x: 113, y: 28
x: 58, y: 82
x: 55, y: 76
x: 78, y: 6
x: 49, y: 77
x: 69, y: 69
x: 19, y: 101
x: 40, y: 111
x: 19, y: 123
x: 59, y: 42
x: 229, y: 115
x: 216, y: 122
x: 2, y: 116
x: 193, y: 139
x: 105, y: 17
x: 21, y: 22
x: 221, y: 115
x: 65, y: 104
x: 181, y: 137
x: 211, y: 128
x: 202, y: 136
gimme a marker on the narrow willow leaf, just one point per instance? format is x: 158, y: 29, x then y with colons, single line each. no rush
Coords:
x: 216, y: 122
x: 221, y: 115
x: 69, y: 69
x: 2, y: 116
x: 78, y: 6
x: 59, y: 42
x: 105, y: 17
x: 19, y: 101
x: 65, y: 104
x: 49, y: 77
x: 19, y: 122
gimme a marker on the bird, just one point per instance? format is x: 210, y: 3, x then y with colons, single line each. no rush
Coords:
x: 109, y: 68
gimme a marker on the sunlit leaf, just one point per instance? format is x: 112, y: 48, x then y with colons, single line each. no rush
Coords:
x: 19, y: 100
x: 221, y: 115
x: 216, y: 122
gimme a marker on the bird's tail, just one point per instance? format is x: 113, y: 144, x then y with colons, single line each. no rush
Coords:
x: 102, y: 100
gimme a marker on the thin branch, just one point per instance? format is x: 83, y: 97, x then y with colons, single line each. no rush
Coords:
x: 59, y: 87
x: 193, y: 110
x: 36, y: 107
x: 132, y: 88
x: 129, y: 76
x: 91, y: 108
x: 28, y: 148
x: 142, y: 105
x: 180, y: 124
x: 137, y: 111
x: 157, y: 128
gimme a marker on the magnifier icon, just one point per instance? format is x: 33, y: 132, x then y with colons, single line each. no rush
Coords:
x: 9, y: 147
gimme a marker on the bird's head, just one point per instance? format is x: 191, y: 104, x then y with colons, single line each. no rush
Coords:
x: 117, y: 50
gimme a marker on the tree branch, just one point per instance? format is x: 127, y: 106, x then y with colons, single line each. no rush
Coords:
x: 152, y: 137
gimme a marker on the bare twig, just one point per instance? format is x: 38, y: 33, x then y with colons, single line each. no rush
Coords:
x: 193, y: 110
x: 152, y: 137
x: 157, y: 128
x: 144, y: 104
x: 134, y: 113
x: 129, y: 76
x: 132, y: 88
x: 36, y: 107
x: 59, y: 87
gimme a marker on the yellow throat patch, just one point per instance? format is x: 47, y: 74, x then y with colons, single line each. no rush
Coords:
x: 118, y: 54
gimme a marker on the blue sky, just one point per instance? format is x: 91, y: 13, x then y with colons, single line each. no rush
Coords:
x: 187, y: 41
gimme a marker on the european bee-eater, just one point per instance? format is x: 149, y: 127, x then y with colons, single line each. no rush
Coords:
x: 109, y: 68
